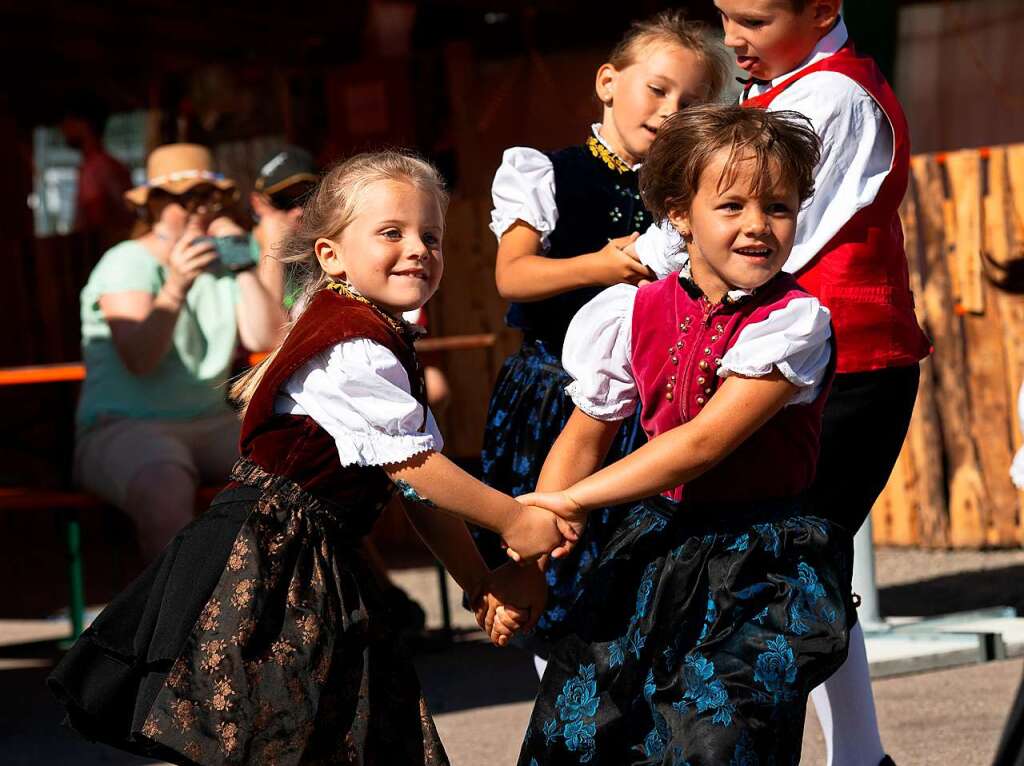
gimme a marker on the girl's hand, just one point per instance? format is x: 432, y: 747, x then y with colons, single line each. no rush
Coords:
x: 571, y: 516
x: 532, y: 533
x: 617, y: 262
x: 630, y: 250
x: 188, y: 261
x: 513, y: 601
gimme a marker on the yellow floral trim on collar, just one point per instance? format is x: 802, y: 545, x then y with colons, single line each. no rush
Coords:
x: 608, y: 157
x: 404, y: 329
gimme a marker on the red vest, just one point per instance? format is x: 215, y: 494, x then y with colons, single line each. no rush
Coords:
x: 295, y: 446
x: 678, y: 342
x: 861, y: 274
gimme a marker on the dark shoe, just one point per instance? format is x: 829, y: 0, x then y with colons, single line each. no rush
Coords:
x: 887, y: 761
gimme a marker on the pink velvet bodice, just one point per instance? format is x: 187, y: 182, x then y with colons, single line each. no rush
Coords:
x: 679, y: 339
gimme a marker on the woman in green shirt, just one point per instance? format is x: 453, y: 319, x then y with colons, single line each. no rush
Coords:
x: 162, y: 315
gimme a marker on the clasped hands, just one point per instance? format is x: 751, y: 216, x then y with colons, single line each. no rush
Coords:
x: 512, y: 598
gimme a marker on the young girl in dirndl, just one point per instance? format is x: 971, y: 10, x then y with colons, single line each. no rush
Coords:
x: 719, y: 604
x: 259, y: 635
x: 562, y: 219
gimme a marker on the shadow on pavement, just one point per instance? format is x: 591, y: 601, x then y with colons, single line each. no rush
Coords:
x: 30, y: 719
x: 457, y: 676
x: 472, y: 674
x: 955, y: 593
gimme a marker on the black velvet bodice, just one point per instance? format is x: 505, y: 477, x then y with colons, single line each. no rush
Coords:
x: 595, y: 203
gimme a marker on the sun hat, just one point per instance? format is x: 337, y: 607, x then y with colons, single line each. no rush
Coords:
x: 176, y: 168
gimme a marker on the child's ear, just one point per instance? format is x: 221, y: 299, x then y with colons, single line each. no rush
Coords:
x: 680, y: 220
x: 328, y: 254
x: 604, y: 83
x: 825, y: 14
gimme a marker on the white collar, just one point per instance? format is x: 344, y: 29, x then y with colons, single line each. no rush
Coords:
x: 730, y: 297
x: 827, y: 46
x: 595, y: 128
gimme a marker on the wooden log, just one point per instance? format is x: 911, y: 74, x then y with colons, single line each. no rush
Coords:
x: 997, y: 208
x: 925, y: 436
x: 1015, y: 179
x: 1000, y: 252
x: 964, y: 172
x: 968, y: 500
x: 912, y: 509
x: 988, y: 407
x: 923, y: 519
x: 894, y: 514
x: 1007, y: 236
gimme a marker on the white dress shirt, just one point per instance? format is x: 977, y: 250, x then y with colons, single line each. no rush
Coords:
x: 359, y: 393
x: 857, y: 155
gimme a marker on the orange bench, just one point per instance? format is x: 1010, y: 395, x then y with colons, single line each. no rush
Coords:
x: 72, y: 504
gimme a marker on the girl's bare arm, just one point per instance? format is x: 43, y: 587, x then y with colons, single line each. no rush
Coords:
x: 524, y: 274
x: 434, y: 481
x: 734, y: 413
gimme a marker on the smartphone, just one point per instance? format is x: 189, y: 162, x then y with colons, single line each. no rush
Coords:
x: 233, y: 251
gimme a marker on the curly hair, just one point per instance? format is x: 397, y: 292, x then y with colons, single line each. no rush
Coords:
x: 782, y: 144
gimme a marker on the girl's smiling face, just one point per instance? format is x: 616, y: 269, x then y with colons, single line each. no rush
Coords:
x: 390, y: 252
x: 738, y: 236
x: 663, y: 79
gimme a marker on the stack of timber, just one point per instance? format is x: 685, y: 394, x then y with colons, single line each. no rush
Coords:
x: 963, y: 219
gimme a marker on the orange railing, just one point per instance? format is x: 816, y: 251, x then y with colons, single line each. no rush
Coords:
x: 75, y: 371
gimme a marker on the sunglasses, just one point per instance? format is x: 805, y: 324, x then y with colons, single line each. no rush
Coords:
x: 292, y: 196
x: 204, y: 198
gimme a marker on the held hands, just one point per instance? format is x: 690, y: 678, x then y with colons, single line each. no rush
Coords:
x: 512, y: 600
x: 536, y: 532
x: 570, y: 519
x: 618, y: 262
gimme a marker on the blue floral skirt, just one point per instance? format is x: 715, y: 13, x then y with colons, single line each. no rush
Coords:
x: 697, y: 643
x: 528, y: 410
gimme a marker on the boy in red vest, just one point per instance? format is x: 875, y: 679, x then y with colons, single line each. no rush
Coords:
x: 849, y: 253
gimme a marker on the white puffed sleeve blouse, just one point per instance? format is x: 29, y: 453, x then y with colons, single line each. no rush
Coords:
x: 524, y: 190
x: 359, y: 393
x: 598, y: 347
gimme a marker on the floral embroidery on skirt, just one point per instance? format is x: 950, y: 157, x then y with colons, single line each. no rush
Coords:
x: 695, y: 645
x: 285, y: 662
x: 528, y: 410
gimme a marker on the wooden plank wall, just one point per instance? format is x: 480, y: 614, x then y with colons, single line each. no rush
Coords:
x: 965, y: 244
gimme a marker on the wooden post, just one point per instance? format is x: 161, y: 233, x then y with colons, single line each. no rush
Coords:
x: 912, y: 509
x: 1005, y: 244
x: 964, y: 172
x: 968, y: 500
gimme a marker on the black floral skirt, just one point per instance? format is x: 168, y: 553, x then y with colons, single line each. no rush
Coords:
x: 528, y: 410
x: 697, y: 644
x: 256, y: 637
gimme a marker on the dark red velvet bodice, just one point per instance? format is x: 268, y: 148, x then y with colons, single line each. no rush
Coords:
x: 679, y: 339
x: 294, y: 446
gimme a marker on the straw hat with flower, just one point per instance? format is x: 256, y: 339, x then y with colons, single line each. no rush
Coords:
x: 176, y: 168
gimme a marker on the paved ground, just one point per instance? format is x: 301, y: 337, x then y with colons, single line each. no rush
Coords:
x: 481, y: 696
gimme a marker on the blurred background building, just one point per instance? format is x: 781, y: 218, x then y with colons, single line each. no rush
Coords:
x: 459, y: 80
